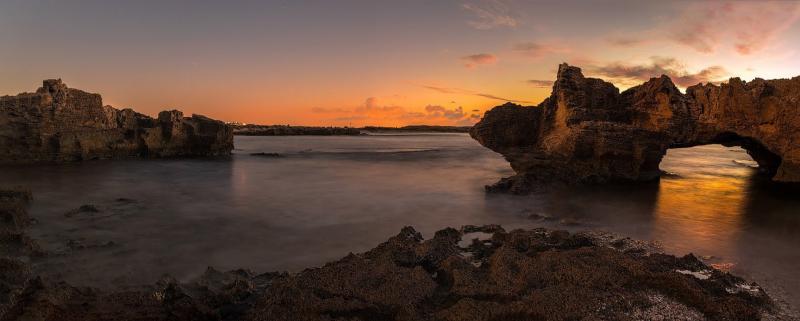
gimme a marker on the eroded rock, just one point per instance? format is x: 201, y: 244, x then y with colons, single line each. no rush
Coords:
x: 588, y: 131
x: 534, y: 274
x: 57, y: 123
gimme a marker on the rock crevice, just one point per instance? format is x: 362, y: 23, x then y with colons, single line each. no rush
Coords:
x: 57, y: 123
x: 587, y: 131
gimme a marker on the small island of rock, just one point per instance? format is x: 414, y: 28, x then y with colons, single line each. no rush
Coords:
x: 57, y: 123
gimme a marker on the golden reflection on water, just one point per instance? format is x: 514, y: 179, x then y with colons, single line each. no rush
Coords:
x: 704, y: 207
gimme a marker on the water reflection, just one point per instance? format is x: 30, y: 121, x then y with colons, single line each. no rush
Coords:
x: 702, y: 205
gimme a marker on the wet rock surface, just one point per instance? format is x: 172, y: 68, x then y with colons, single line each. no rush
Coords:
x: 57, y: 123
x: 588, y: 131
x: 473, y: 273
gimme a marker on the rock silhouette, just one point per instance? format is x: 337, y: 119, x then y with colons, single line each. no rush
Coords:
x: 57, y: 123
x: 588, y: 131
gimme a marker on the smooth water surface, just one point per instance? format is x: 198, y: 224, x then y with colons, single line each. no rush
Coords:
x: 328, y: 196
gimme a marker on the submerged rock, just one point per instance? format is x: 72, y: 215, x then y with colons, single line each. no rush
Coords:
x: 589, y: 132
x: 57, y: 123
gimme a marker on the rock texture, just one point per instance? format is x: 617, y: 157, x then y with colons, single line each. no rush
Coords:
x: 519, y: 275
x: 589, y: 132
x: 57, y: 123
x: 473, y: 273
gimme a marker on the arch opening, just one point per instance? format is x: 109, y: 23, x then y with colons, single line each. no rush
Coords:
x: 768, y: 162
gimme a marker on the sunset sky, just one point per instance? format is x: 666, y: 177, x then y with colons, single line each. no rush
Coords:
x: 379, y: 62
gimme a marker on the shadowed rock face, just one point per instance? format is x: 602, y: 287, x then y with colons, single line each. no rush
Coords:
x: 57, y: 123
x: 589, y: 132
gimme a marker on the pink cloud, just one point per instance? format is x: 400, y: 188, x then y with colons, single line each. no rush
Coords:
x: 635, y: 73
x: 748, y: 26
x: 472, y: 61
x: 537, y: 49
x: 490, y: 14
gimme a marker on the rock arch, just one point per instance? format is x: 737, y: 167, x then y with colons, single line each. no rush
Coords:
x: 588, y: 131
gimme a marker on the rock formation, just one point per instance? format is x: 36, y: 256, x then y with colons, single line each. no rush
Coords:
x: 57, y: 123
x: 519, y: 275
x: 589, y: 132
x: 473, y: 273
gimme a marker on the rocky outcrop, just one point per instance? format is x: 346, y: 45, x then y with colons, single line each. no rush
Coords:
x: 519, y: 275
x: 588, y: 131
x: 57, y: 123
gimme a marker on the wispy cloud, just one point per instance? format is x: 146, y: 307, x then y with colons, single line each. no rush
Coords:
x: 539, y: 83
x: 747, y: 27
x: 447, y: 90
x: 629, y: 74
x: 626, y: 41
x: 538, y: 49
x: 472, y: 61
x: 490, y: 14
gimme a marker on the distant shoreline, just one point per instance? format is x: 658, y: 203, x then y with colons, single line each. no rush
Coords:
x: 287, y: 130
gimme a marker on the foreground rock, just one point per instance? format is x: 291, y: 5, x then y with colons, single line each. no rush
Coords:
x: 475, y: 273
x: 57, y: 123
x: 589, y: 132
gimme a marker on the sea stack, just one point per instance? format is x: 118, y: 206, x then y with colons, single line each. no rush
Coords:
x: 589, y: 132
x: 58, y: 123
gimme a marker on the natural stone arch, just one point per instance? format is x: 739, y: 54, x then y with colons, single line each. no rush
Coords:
x: 588, y: 131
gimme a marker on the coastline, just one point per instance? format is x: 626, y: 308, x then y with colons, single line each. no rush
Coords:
x: 288, y: 130
x: 471, y: 273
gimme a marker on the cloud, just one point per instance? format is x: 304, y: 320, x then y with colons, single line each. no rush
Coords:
x: 633, y: 74
x: 747, y: 26
x: 446, y: 90
x: 371, y: 105
x: 503, y: 99
x: 372, y: 110
x: 472, y: 61
x: 439, y: 111
x: 625, y: 41
x: 538, y: 50
x: 537, y: 83
x: 490, y: 14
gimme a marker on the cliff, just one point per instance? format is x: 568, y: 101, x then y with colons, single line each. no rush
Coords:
x: 57, y: 123
x: 588, y: 131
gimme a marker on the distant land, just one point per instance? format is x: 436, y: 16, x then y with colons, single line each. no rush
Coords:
x: 288, y: 130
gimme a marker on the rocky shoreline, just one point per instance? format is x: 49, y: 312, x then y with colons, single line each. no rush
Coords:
x: 471, y: 273
x: 57, y: 123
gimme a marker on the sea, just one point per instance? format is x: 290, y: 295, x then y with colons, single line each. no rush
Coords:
x: 323, y: 197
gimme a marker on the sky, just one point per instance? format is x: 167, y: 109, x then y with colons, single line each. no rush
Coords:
x: 386, y: 63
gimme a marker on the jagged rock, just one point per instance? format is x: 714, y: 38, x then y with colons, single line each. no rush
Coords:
x: 589, y: 132
x: 519, y: 275
x: 57, y: 123
x: 534, y: 274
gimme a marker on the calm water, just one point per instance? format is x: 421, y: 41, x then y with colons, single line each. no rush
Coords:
x: 329, y: 196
